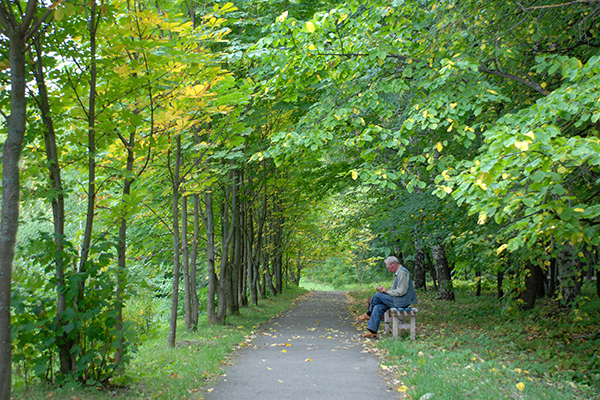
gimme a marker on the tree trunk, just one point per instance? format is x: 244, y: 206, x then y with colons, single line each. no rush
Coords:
x: 187, y: 290
x: 58, y: 207
x: 478, y: 279
x: 91, y: 191
x: 176, y: 246
x: 568, y: 275
x: 419, y: 273
x: 535, y: 278
x: 9, y: 222
x: 122, y: 244
x: 236, y: 265
x: 431, y: 268
x: 193, y: 262
x: 446, y: 290
x: 209, y: 224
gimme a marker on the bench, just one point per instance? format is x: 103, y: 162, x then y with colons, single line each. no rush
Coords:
x: 403, y: 318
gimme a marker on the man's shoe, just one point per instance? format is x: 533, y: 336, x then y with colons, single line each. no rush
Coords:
x: 363, y: 317
x: 369, y: 335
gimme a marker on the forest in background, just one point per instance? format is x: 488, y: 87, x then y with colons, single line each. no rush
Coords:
x: 211, y: 153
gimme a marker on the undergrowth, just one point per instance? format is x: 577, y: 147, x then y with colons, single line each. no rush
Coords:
x: 478, y: 347
x: 163, y: 373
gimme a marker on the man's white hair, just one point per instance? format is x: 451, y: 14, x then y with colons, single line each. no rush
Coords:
x: 392, y: 259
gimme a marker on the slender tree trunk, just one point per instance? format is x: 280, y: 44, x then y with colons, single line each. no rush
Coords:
x: 122, y: 245
x: 236, y: 263
x: 478, y: 279
x: 209, y: 224
x: 194, y: 261
x: 446, y: 289
x: 91, y: 191
x: 187, y: 296
x: 176, y: 247
x: 58, y: 206
x: 500, y: 279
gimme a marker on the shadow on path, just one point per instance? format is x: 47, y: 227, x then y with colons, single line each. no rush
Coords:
x: 310, y: 352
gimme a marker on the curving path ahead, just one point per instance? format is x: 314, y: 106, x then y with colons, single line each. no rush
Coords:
x: 310, y: 352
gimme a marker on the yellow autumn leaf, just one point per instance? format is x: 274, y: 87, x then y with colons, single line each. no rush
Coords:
x: 439, y: 146
x: 579, y: 209
x: 447, y: 189
x: 403, y: 388
x: 453, y: 105
x: 284, y: 351
x: 288, y: 344
x: 521, y: 386
x: 282, y: 17
x: 308, y: 359
x: 561, y: 170
x: 310, y: 27
x: 311, y: 47
x: 501, y: 248
x: 354, y: 175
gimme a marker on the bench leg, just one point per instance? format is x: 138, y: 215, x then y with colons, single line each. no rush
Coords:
x: 395, y: 326
x: 412, y: 328
x: 386, y: 318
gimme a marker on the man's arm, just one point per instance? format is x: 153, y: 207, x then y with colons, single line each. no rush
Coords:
x: 403, y: 279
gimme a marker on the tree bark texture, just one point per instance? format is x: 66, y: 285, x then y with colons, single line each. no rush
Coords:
x: 419, y: 273
x: 446, y: 289
x: 568, y: 275
x: 17, y: 34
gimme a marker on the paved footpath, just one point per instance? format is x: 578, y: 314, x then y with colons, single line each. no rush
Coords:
x: 310, y: 352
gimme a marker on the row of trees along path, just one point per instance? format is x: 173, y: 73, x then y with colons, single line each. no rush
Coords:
x: 229, y: 146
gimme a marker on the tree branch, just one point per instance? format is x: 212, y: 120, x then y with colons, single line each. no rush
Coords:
x: 527, y: 82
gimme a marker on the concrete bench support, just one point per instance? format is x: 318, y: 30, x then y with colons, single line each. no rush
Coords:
x: 400, y: 319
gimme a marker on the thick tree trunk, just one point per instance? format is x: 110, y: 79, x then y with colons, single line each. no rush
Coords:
x: 535, y: 279
x: 446, y: 289
x: 568, y: 276
x: 176, y: 247
x: 9, y: 222
x: 419, y: 273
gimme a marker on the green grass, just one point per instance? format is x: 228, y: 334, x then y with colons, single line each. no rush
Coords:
x: 480, y: 348
x: 184, y: 372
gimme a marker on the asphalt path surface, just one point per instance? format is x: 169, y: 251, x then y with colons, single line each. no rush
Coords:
x: 312, y: 351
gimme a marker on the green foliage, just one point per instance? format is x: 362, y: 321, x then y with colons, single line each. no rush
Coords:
x: 90, y: 322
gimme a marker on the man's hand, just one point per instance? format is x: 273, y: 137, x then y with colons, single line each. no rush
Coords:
x: 381, y: 289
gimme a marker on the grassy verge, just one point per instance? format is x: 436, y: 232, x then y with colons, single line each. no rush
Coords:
x: 184, y: 372
x: 477, y: 347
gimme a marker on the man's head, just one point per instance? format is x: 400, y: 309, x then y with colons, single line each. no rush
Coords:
x: 392, y: 264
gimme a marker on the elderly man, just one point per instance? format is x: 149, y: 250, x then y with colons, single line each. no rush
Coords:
x: 401, y: 295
